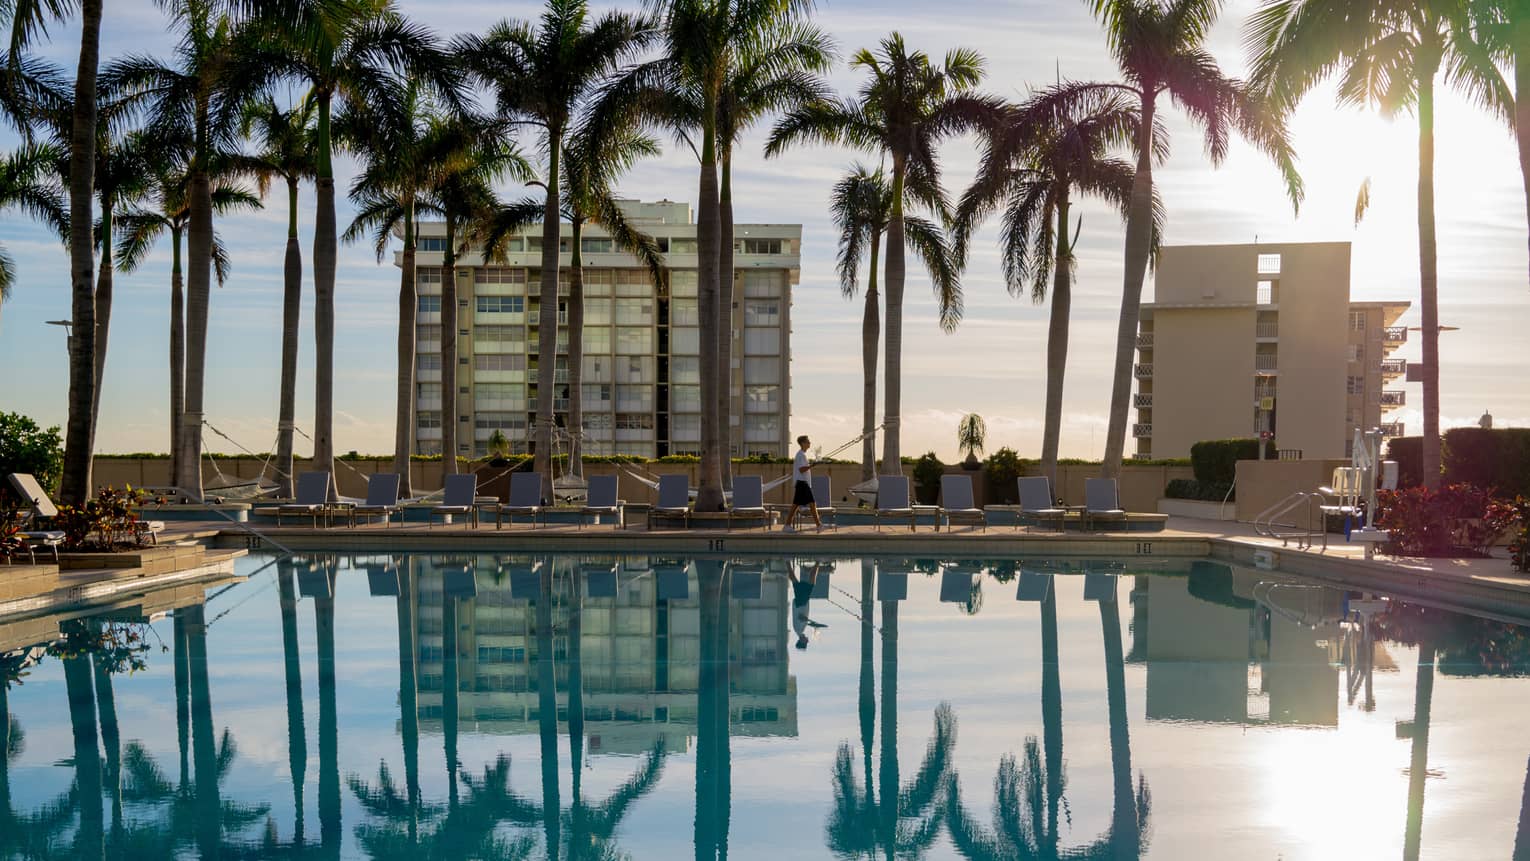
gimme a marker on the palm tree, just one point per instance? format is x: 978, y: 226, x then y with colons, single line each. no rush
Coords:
x: 861, y: 206
x: 139, y: 227
x: 541, y: 75
x: 908, y: 104
x: 1035, y: 160
x: 28, y: 182
x: 286, y: 146
x: 1503, y: 27
x: 1388, y: 56
x: 27, y: 19
x: 1159, y: 47
x: 343, y: 51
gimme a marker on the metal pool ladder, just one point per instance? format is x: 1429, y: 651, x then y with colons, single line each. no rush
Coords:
x: 1268, y: 523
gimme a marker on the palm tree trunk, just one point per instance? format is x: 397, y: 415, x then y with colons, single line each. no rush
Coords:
x: 449, y: 349
x: 1057, y: 342
x: 866, y: 689
x: 709, y: 494
x: 87, y: 755
x: 576, y: 352
x: 1139, y: 247
x: 1418, y: 762
x: 1428, y: 278
x: 725, y: 284
x: 871, y: 330
x: 292, y: 311
x: 1522, y: 107
x: 1051, y: 720
x: 547, y: 314
x: 1125, y: 829
x: 181, y: 636
x: 547, y: 711
x: 450, y: 693
x: 887, y: 776
x: 103, y: 315
x: 892, y: 384
x: 177, y: 353
x: 198, y: 292
x: 1522, y: 833
x: 408, y: 307
x: 75, y: 484
x: 208, y: 806
x: 111, y: 738
x: 408, y: 692
x: 324, y: 299
x: 329, y: 727
x: 297, y: 736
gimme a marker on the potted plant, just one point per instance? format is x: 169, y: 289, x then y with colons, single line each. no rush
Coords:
x: 499, y: 446
x: 971, y: 433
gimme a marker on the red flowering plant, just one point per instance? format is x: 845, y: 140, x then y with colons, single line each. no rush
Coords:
x: 1456, y: 520
x: 11, y: 542
x: 108, y: 522
x: 1519, y: 548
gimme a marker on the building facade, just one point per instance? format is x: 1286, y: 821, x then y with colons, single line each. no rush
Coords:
x: 1235, y: 333
x: 642, y: 348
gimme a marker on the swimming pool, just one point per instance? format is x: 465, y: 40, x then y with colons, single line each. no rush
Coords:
x: 660, y: 707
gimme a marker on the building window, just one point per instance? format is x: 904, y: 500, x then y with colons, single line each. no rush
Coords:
x: 596, y: 397
x: 762, y: 314
x: 685, y: 369
x: 501, y: 304
x: 762, y: 371
x: 762, y: 283
x: 428, y: 418
x: 762, y: 342
x: 500, y: 396
x: 597, y: 339
x: 760, y: 246
x: 1357, y: 321
x: 428, y: 361
x: 427, y: 332
x: 634, y: 312
x: 1269, y: 264
x: 596, y: 246
x: 632, y: 340
x: 429, y: 305
x: 686, y: 428
x: 498, y: 275
x: 1356, y: 352
x: 491, y: 421
x: 596, y: 420
x: 683, y: 312
x: 1264, y: 294
x: 634, y: 398
x: 685, y: 399
x: 762, y: 399
x: 499, y: 362
x: 761, y: 428
x: 634, y: 369
x: 430, y: 243
x: 1355, y: 385
x: 682, y: 282
x: 427, y: 277
x: 684, y: 341
x: 634, y: 421
x: 678, y: 245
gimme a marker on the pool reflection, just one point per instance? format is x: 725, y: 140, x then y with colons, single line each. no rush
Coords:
x: 649, y: 666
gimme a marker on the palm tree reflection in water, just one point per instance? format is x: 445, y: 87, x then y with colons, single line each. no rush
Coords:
x: 1028, y: 793
x: 907, y: 820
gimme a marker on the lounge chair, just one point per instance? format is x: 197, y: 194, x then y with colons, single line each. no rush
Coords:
x: 1036, y: 502
x: 892, y: 500
x: 1101, y: 501
x: 956, y: 502
x: 382, y: 498
x: 748, y: 500
x: 41, y: 507
x: 601, y: 499
x: 824, y: 498
x: 312, y: 498
x: 460, y: 496
x: 674, y: 499
x: 525, y: 499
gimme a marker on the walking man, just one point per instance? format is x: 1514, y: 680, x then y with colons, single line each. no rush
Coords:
x: 802, y: 492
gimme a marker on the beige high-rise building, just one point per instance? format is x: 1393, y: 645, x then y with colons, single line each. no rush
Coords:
x: 1245, y: 339
x: 642, y: 347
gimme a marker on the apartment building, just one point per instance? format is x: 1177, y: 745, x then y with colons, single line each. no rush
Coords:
x: 642, y: 350
x: 1244, y: 340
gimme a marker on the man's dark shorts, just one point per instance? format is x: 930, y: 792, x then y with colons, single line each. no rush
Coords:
x: 803, y: 494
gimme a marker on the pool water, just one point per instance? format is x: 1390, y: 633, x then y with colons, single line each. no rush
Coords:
x: 660, y: 707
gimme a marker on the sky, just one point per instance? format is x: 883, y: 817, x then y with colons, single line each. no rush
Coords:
x: 993, y: 364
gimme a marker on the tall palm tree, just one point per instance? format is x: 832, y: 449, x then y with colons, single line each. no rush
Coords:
x: 343, y: 50
x: 1159, y: 46
x: 1035, y: 160
x: 191, y: 100
x: 26, y: 20
x: 28, y: 183
x: 907, y: 105
x: 1503, y: 27
x: 861, y: 207
x: 284, y: 138
x: 1388, y: 56
x: 542, y: 74
x: 140, y: 227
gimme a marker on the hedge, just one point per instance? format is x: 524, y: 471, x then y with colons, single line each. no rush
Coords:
x: 1215, y: 461
x: 1205, y: 491
x: 1495, y: 458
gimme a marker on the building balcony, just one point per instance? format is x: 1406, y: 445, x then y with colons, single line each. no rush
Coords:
x: 1143, y: 370
x: 1267, y: 329
x: 1391, y: 429
x: 1144, y: 340
x: 1394, y: 398
x: 1395, y: 335
x: 1265, y: 363
x: 1392, y: 368
x: 1143, y: 401
x: 1141, y: 430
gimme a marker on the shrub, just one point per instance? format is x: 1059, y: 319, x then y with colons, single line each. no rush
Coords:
x: 1495, y: 458
x: 1206, y: 491
x: 1000, y: 471
x: 1408, y: 451
x: 927, y: 472
x: 25, y: 447
x: 108, y: 522
x: 1215, y: 461
x: 1456, y: 520
x: 1519, y: 548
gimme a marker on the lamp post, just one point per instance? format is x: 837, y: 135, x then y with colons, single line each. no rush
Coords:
x: 68, y: 333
